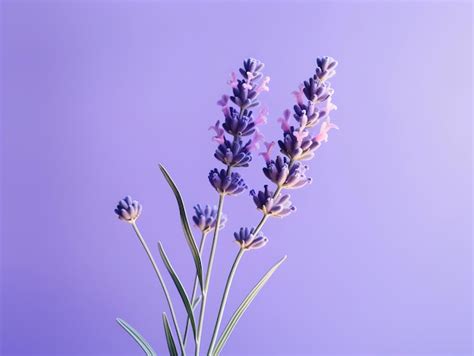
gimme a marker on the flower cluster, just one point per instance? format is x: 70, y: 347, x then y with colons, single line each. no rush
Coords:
x: 286, y: 171
x: 248, y: 240
x: 128, y: 210
x: 284, y: 175
x: 227, y: 184
x: 233, y: 153
x: 271, y: 204
x: 239, y: 122
x: 205, y: 218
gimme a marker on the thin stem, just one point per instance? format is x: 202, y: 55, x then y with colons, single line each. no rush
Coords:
x: 165, y: 290
x: 224, y: 299
x: 195, y: 287
x: 231, y: 277
x: 209, y: 270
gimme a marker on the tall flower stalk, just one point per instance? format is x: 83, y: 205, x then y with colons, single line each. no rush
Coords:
x: 237, y: 123
x: 205, y: 219
x: 129, y: 210
x: 238, y: 136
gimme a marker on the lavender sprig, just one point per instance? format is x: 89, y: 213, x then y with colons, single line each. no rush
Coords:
x: 288, y: 172
x: 235, y: 153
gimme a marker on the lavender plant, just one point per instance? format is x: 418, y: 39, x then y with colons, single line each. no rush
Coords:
x: 237, y: 138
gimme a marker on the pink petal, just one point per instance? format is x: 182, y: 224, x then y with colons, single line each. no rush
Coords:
x: 223, y: 100
x: 285, y: 120
x: 219, y: 137
x: 261, y: 118
x: 300, y: 135
x: 266, y: 154
x: 299, y: 95
x: 264, y: 85
x: 233, y: 80
x: 323, y: 132
x: 255, y: 143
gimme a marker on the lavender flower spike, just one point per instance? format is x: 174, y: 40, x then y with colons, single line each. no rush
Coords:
x: 205, y: 218
x: 297, y: 145
x: 232, y: 184
x: 283, y: 175
x: 317, y: 91
x: 246, y: 90
x: 128, y: 210
x: 238, y: 125
x: 234, y: 153
x: 248, y: 240
x: 279, y: 206
x: 326, y: 68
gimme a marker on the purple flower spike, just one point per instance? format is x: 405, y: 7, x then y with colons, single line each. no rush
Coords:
x: 297, y: 145
x: 238, y: 125
x: 234, y: 153
x: 308, y: 115
x: 128, y: 210
x: 225, y: 184
x: 326, y: 68
x: 248, y: 240
x: 243, y: 95
x: 280, y: 173
x: 251, y: 69
x: 205, y: 218
x: 246, y: 90
x: 316, y: 91
x: 278, y: 207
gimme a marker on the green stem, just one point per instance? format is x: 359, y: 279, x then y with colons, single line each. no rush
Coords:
x: 224, y: 299
x: 196, y: 284
x: 162, y: 282
x: 231, y: 277
x: 209, y: 270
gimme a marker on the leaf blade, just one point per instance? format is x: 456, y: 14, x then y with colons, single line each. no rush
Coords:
x: 179, y: 287
x: 140, y: 340
x: 185, y: 224
x: 243, y: 307
x: 169, y: 337
x: 196, y: 302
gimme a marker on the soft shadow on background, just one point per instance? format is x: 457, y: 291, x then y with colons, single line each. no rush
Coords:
x: 95, y: 94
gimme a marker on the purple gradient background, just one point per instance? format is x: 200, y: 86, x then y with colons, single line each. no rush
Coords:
x: 95, y: 94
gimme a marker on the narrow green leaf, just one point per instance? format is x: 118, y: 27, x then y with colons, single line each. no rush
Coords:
x: 179, y: 286
x: 137, y: 337
x: 169, y: 337
x: 243, y: 307
x: 196, y: 302
x: 184, y: 222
